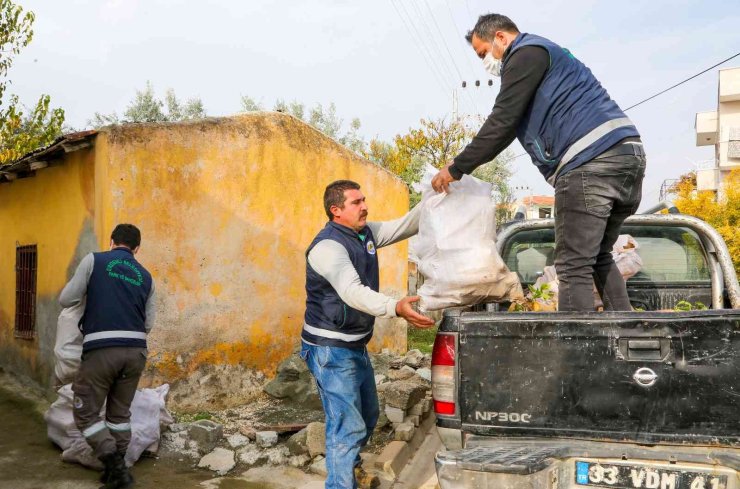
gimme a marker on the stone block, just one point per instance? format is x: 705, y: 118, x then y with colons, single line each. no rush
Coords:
x: 413, y: 419
x: 417, y: 409
x: 206, y: 433
x: 316, y: 439
x: 404, y: 432
x: 297, y: 443
x: 403, y: 395
x: 393, y: 458
x: 394, y: 414
x: 266, y: 439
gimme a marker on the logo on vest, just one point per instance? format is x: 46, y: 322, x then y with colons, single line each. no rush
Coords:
x: 137, y: 281
x: 371, y: 247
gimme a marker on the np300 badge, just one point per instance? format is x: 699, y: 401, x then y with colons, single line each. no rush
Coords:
x: 645, y: 377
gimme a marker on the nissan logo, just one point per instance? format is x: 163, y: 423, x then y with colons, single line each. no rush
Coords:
x: 645, y: 377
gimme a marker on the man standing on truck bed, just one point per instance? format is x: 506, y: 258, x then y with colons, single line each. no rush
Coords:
x: 578, y: 138
x: 342, y: 301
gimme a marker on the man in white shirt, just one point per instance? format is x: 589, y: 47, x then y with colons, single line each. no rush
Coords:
x: 342, y: 302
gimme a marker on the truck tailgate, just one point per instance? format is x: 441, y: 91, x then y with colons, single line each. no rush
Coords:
x: 645, y: 377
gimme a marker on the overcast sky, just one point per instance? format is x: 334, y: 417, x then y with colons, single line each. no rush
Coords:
x: 388, y: 62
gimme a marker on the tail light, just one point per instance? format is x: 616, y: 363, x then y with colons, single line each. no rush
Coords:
x: 443, y: 374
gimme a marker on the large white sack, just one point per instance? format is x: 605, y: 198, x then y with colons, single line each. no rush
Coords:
x: 148, y: 412
x: 68, y: 344
x: 456, y: 247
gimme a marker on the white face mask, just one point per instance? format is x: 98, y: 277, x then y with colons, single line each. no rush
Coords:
x: 492, y: 65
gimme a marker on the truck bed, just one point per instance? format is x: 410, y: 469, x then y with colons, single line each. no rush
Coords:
x: 642, y: 377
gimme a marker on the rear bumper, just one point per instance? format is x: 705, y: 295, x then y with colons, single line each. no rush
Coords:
x: 537, y: 464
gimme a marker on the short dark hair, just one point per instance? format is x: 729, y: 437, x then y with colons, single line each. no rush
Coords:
x: 487, y: 26
x: 334, y: 194
x: 126, y: 235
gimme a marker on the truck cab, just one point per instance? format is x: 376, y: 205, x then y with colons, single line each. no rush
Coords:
x: 642, y: 399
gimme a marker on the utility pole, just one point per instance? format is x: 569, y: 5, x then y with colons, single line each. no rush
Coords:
x: 455, y: 105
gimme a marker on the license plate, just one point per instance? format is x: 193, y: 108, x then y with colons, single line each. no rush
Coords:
x: 624, y: 476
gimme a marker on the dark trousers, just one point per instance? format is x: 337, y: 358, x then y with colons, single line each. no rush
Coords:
x: 108, y: 375
x: 591, y: 203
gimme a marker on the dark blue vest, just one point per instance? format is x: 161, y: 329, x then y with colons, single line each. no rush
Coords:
x: 115, y: 310
x: 334, y: 322
x: 571, y: 119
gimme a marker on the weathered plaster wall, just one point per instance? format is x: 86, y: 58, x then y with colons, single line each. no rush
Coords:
x: 227, y: 208
x: 54, y: 210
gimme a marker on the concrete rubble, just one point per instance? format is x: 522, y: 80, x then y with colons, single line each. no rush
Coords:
x: 285, y: 427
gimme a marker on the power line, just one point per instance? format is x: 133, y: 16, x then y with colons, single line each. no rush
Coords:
x: 442, y: 39
x: 431, y: 40
x: 682, y: 82
x: 438, y: 74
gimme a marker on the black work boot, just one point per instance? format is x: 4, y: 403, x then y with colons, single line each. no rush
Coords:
x: 119, y: 476
x: 106, y: 472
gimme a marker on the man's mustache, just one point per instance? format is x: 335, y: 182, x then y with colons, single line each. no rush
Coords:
x: 364, y: 214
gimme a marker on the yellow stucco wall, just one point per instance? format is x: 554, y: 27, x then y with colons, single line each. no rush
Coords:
x: 54, y: 210
x: 227, y: 208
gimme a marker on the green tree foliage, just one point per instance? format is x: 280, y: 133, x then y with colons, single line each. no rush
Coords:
x: 147, y: 107
x: 437, y: 142
x: 21, y: 129
x: 324, y: 119
x: 722, y: 212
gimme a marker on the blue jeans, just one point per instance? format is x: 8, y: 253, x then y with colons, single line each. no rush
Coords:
x: 346, y: 385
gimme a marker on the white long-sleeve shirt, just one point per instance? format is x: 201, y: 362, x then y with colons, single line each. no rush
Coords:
x: 331, y: 260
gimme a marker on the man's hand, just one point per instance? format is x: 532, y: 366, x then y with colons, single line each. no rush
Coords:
x: 442, y: 180
x: 404, y: 310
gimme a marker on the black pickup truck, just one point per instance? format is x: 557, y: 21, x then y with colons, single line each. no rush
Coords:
x: 647, y: 399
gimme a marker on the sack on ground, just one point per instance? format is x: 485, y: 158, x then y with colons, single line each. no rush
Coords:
x: 148, y: 413
x: 68, y: 344
x: 456, y: 247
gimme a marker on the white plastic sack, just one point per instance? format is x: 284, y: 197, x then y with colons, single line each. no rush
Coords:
x: 456, y: 247
x: 148, y: 412
x: 626, y: 257
x: 68, y: 345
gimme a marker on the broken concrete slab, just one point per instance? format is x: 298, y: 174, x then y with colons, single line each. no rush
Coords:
x: 252, y: 455
x: 318, y: 466
x: 425, y: 373
x: 237, y: 440
x: 220, y: 460
x: 413, y: 358
x: 404, y: 373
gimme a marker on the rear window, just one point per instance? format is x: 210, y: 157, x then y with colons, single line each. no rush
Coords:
x: 669, y: 254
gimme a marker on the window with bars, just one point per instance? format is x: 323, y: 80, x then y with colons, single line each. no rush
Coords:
x: 26, y: 261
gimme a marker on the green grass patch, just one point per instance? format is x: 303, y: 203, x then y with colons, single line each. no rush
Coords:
x: 421, y: 339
